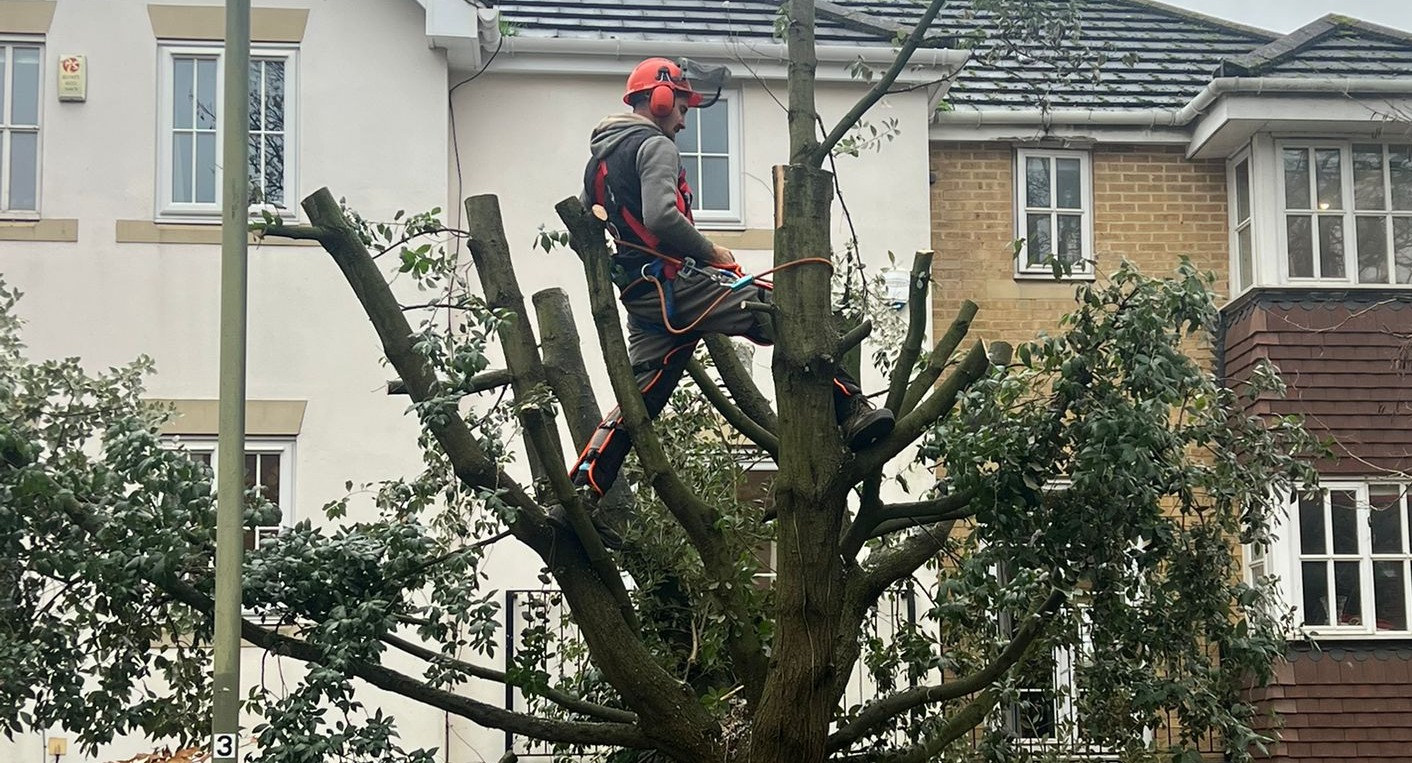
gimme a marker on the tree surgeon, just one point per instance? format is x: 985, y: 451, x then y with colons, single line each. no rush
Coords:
x: 676, y: 285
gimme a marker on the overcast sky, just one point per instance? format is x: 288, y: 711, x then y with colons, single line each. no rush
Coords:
x: 1289, y: 15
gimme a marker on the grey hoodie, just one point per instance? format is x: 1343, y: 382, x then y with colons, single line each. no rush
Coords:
x: 658, y: 165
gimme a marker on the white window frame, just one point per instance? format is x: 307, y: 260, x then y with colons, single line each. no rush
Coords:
x: 734, y: 216
x: 1292, y: 559
x: 1084, y: 268
x: 283, y: 447
x: 1238, y: 225
x: 9, y: 43
x: 170, y: 211
x: 1347, y: 215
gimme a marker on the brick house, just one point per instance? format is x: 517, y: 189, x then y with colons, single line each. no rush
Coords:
x: 1283, y: 164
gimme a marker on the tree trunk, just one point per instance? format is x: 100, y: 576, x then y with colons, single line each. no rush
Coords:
x: 792, y: 723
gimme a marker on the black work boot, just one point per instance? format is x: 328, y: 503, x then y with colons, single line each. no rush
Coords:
x: 863, y: 424
x: 559, y: 516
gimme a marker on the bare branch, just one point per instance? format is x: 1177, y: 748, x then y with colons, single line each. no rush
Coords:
x: 853, y: 338
x: 917, y: 288
x: 566, y: 701
x: 481, y: 382
x: 882, y: 520
x: 880, y: 87
x: 741, y: 384
x: 491, y: 253
x: 886, y: 708
x: 941, y: 354
x: 699, y: 519
x: 295, y: 232
x: 731, y: 412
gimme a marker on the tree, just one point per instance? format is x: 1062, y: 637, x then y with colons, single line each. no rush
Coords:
x: 1089, y: 487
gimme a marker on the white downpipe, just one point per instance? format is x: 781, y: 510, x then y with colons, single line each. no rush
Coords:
x: 972, y: 117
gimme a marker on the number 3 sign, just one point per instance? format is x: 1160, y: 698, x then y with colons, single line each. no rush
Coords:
x: 223, y: 747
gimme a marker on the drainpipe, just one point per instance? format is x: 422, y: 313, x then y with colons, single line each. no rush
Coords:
x: 1349, y: 86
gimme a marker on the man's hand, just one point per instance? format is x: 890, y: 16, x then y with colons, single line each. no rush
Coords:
x: 721, y: 255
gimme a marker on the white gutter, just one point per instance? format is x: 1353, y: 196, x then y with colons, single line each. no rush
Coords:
x: 973, y: 117
x: 763, y: 51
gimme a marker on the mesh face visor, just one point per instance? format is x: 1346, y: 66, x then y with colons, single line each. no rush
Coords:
x: 706, y: 79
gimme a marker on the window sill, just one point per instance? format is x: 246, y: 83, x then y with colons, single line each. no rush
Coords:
x: 1326, y: 635
x: 187, y: 232
x: 1049, y: 277
x: 39, y: 230
x: 740, y: 237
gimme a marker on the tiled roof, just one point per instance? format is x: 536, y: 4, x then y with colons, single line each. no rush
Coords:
x: 667, y: 21
x: 1157, y: 56
x: 1170, y: 56
x: 1333, y: 46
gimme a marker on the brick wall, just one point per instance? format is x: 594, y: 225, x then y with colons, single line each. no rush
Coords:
x: 1151, y: 205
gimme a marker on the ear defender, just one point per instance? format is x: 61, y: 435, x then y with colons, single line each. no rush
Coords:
x: 662, y: 100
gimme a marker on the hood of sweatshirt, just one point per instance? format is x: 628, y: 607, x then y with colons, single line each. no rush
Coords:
x: 615, y: 129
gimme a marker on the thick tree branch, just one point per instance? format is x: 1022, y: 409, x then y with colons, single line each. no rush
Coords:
x: 667, y: 709
x: 471, y: 464
x: 736, y: 376
x: 917, y: 288
x: 884, y: 568
x: 911, y: 426
x: 879, y: 88
x: 490, y: 252
x: 940, y: 356
x: 898, y: 516
x: 803, y: 63
x: 295, y: 232
x: 481, y: 382
x: 566, y: 701
x: 853, y: 338
x: 886, y: 708
x: 731, y: 412
x: 699, y: 519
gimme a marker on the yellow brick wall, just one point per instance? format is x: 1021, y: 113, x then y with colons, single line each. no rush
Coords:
x: 1151, y: 206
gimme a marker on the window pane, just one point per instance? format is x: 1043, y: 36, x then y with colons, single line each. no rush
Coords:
x: 1242, y: 189
x: 1331, y: 247
x: 1372, y: 249
x: 1389, y: 595
x: 687, y: 138
x: 1301, y: 246
x: 1038, y: 242
x: 25, y: 95
x: 269, y: 477
x: 183, y: 92
x: 1036, y: 181
x: 206, y: 93
x: 256, y: 96
x: 1329, y: 175
x: 1348, y: 594
x: 1385, y: 504
x: 24, y: 166
x: 1068, y: 184
x: 1316, y: 592
x: 256, y: 164
x: 1071, y: 238
x: 1343, y: 505
x: 1311, y: 525
x: 3, y: 69
x: 715, y: 190
x: 205, y: 168
x: 274, y: 169
x: 1296, y: 178
x: 183, y: 148
x: 1247, y: 258
x: 714, y: 132
x: 1368, y: 177
x: 1400, y: 167
x: 1402, y: 248
x: 274, y: 95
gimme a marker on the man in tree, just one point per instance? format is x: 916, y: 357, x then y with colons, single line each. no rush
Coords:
x: 675, y: 283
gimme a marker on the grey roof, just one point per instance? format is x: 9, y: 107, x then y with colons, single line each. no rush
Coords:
x: 1333, y: 46
x: 1154, y: 55
x: 667, y: 20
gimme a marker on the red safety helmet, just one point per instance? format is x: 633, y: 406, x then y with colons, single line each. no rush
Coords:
x: 663, y: 79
